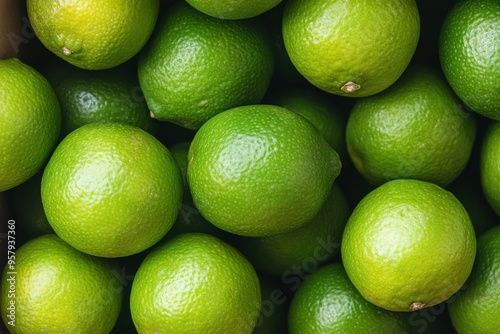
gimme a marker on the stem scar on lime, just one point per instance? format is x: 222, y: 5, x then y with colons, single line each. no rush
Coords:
x: 415, y: 306
x: 66, y: 51
x: 350, y: 87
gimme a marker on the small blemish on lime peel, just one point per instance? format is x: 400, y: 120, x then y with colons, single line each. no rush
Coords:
x: 417, y: 306
x: 153, y: 116
x: 350, y: 87
x: 66, y: 51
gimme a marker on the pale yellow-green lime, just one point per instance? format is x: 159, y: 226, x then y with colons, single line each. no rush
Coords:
x: 415, y: 129
x: 490, y: 165
x: 476, y: 309
x: 93, y: 34
x: 196, y: 66
x: 469, y: 51
x: 30, y: 122
x: 260, y: 170
x: 195, y: 283
x: 408, y: 245
x: 351, y: 48
x: 54, y: 288
x: 327, y: 302
x: 111, y: 189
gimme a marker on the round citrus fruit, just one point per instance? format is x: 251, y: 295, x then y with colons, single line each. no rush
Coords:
x: 308, y: 246
x: 260, y: 170
x: 490, y: 166
x: 351, y: 48
x: 327, y: 302
x: 318, y: 109
x: 477, y: 308
x: 408, y: 244
x: 469, y: 51
x: 30, y: 122
x: 111, y: 95
x: 197, y: 66
x: 111, y: 189
x: 195, y: 283
x: 233, y: 10
x: 53, y: 288
x: 415, y: 129
x: 93, y: 34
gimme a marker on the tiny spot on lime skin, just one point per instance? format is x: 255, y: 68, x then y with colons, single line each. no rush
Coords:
x: 350, y: 87
x: 66, y: 51
x: 415, y: 306
x: 153, y: 116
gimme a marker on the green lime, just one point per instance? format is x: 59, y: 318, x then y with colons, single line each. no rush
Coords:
x: 30, y: 121
x: 233, y: 9
x: 111, y: 95
x: 490, y: 166
x: 197, y: 66
x: 351, y: 48
x: 416, y: 129
x: 93, y: 34
x: 309, y: 246
x: 195, y: 283
x: 260, y: 170
x: 408, y: 245
x: 317, y: 108
x: 53, y: 288
x: 327, y: 302
x: 476, y: 308
x: 469, y: 51
x: 111, y: 189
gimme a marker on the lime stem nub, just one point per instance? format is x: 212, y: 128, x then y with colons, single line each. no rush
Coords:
x: 66, y: 51
x: 417, y: 306
x: 350, y: 87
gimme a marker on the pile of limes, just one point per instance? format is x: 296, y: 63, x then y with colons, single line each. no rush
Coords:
x: 237, y: 166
